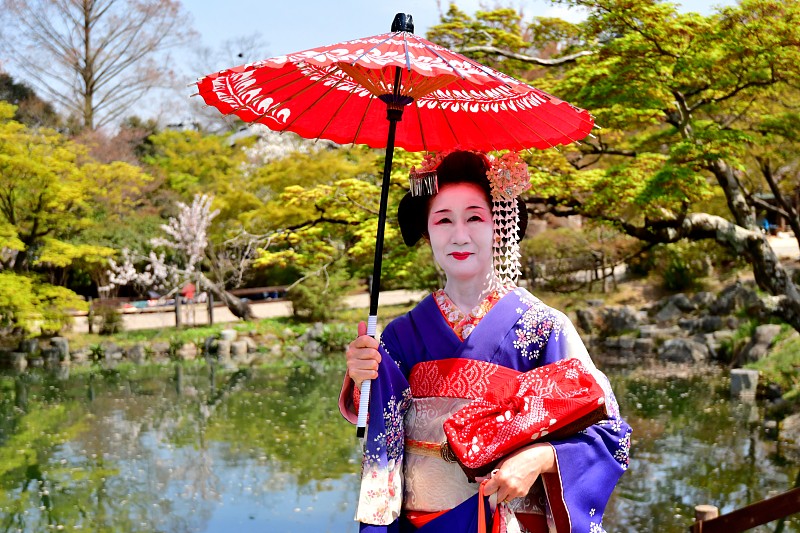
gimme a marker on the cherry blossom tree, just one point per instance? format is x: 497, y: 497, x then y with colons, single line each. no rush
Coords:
x: 179, y: 259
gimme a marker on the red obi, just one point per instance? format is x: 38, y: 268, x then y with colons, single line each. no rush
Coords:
x: 550, y: 402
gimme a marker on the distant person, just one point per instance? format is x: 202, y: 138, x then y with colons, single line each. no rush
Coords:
x: 476, y: 334
x: 188, y: 292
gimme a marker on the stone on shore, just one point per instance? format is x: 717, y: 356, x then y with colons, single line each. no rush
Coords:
x: 668, y: 313
x: 789, y: 435
x: 759, y: 344
x: 683, y: 351
x: 238, y: 349
x: 61, y: 347
x: 137, y: 354
x: 229, y: 335
x: 188, y: 352
x: 619, y: 320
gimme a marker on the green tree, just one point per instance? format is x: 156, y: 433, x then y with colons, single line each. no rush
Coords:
x: 336, y: 216
x: 696, y: 114
x: 50, y: 192
x: 31, y: 110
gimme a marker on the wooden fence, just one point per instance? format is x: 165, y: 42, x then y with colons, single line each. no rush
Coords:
x: 775, y: 508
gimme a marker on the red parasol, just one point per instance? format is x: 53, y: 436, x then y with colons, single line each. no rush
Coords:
x: 357, y: 92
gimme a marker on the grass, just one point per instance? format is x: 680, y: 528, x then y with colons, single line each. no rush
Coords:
x: 279, y: 327
x: 782, y: 366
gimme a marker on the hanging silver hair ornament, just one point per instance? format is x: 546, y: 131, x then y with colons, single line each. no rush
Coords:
x: 508, y: 178
x: 423, y: 183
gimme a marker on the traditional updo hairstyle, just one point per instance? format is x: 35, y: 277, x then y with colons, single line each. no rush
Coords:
x: 456, y: 167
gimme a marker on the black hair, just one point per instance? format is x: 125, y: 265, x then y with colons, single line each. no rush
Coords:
x: 456, y: 167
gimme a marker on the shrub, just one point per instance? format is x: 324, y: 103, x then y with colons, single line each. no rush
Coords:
x: 29, y: 305
x: 552, y: 258
x: 318, y: 296
x: 109, y: 317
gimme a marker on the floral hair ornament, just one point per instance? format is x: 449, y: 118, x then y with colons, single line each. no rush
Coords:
x: 508, y: 178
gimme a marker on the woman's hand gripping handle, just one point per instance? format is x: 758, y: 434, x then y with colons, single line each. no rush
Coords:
x: 363, y: 358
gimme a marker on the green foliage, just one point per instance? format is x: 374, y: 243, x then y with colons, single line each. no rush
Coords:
x: 685, y: 264
x: 567, y: 259
x: 782, y: 366
x: 52, y: 196
x: 336, y: 214
x: 109, y: 316
x: 175, y: 345
x: 550, y: 258
x: 30, y: 306
x: 682, y: 265
x: 317, y: 298
x: 191, y: 162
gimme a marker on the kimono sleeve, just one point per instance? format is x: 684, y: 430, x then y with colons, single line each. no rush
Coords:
x: 589, y: 463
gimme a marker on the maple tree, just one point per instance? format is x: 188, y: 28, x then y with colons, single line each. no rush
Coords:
x: 696, y: 114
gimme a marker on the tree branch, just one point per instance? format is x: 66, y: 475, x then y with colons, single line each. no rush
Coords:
x: 489, y: 49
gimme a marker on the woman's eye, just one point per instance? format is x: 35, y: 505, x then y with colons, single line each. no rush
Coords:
x: 443, y: 221
x: 475, y: 218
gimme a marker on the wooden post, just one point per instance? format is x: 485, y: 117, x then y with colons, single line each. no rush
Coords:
x: 178, y: 319
x: 701, y: 514
x: 90, y: 315
x: 210, y: 308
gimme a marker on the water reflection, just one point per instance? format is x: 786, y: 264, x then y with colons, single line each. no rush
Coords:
x: 201, y: 448
x: 692, y: 446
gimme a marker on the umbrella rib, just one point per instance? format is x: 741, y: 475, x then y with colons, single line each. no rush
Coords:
x: 528, y: 127
x: 356, y: 60
x: 551, y: 125
x: 405, y: 49
x: 532, y: 130
x: 449, y: 126
x: 437, y: 54
x: 547, y: 97
x: 489, y: 71
x: 421, y: 128
x: 314, y: 103
x: 260, y: 85
x: 292, y: 96
x: 298, y: 93
x: 360, y: 124
x: 335, y: 114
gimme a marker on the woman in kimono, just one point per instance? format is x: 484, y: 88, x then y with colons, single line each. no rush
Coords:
x: 472, y: 336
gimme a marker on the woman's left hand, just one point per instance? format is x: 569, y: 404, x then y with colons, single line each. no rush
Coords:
x: 516, y: 473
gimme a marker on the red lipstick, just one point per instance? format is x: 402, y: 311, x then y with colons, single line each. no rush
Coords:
x: 460, y: 256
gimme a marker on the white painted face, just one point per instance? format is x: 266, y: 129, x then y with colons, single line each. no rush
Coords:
x: 461, y: 233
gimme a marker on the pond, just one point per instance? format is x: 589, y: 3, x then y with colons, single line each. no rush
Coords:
x: 199, y: 449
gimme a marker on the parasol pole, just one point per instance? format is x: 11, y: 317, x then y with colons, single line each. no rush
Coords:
x: 394, y: 115
x: 395, y: 103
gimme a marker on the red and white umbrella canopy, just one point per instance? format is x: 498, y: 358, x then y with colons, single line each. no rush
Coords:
x: 341, y: 92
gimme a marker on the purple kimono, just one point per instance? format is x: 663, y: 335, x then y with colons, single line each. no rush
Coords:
x: 428, y: 372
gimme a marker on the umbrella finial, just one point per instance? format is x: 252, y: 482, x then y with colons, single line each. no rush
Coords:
x: 403, y: 22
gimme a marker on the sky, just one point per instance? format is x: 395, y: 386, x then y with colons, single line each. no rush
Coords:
x: 286, y: 26
x: 277, y: 27
x: 294, y: 25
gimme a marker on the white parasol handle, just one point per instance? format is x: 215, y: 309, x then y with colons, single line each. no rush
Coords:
x: 366, y: 385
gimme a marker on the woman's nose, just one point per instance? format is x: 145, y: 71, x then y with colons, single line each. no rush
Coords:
x: 460, y: 233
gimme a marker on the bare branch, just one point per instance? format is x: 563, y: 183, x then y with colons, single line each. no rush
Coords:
x: 488, y: 49
x: 88, y: 54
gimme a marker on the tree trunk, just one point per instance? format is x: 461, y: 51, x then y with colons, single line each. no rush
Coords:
x: 770, y: 275
x: 240, y: 308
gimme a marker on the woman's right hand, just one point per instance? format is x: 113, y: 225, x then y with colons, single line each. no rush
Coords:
x: 363, y: 356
